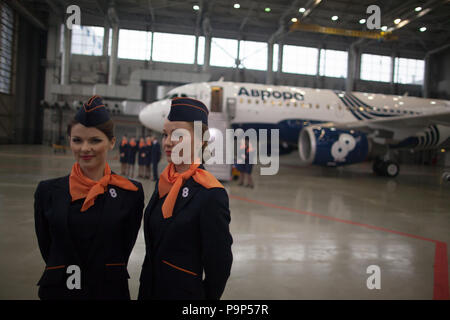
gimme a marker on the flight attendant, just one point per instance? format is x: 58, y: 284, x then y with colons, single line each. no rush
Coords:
x: 123, y: 151
x: 142, y: 160
x: 246, y: 168
x: 132, y: 150
x: 156, y: 157
x: 186, y: 223
x: 148, y: 157
x: 87, y: 222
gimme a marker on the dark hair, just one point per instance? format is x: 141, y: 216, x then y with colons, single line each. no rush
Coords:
x: 107, y: 128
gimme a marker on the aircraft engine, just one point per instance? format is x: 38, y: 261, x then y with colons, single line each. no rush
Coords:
x: 332, y: 147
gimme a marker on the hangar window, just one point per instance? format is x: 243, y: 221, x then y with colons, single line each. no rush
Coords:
x: 409, y: 71
x: 134, y: 44
x: 223, y: 52
x: 253, y: 55
x: 87, y: 40
x: 302, y: 60
x: 275, y: 57
x: 333, y: 63
x: 6, y: 40
x: 166, y: 47
x: 201, y: 50
x: 375, y: 67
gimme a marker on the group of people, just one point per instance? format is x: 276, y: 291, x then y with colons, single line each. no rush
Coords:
x: 87, y: 222
x: 148, y: 152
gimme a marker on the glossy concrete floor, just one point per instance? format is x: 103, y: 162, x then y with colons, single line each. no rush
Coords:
x: 305, y: 233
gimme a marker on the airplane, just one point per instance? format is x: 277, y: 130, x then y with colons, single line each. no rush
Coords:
x: 328, y: 127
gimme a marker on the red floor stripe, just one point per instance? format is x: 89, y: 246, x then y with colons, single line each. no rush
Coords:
x: 441, y: 286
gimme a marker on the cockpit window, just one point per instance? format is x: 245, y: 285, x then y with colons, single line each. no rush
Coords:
x: 175, y: 95
x: 183, y: 95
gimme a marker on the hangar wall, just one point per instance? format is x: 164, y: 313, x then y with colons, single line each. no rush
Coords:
x: 440, y: 74
x: 38, y: 68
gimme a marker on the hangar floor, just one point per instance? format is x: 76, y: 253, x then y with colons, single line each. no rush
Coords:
x: 305, y: 233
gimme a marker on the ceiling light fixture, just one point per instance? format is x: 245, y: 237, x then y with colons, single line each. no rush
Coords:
x: 417, y: 9
x: 397, y: 21
x: 237, y: 6
x: 301, y: 10
x: 267, y: 9
x: 196, y: 7
x: 334, y: 18
x: 423, y: 29
x: 362, y: 21
x: 294, y: 19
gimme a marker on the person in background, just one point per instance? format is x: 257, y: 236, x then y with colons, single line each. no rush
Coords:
x: 142, y: 154
x: 156, y: 156
x: 132, y: 150
x: 87, y: 222
x: 123, y: 152
x: 148, y: 161
x: 246, y: 168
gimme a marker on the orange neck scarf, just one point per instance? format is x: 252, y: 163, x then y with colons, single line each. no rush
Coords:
x: 83, y: 187
x: 132, y: 143
x: 171, y: 181
x: 124, y: 141
x: 141, y: 144
x: 149, y: 142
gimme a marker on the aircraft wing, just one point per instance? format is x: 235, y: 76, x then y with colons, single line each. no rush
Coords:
x: 401, y: 122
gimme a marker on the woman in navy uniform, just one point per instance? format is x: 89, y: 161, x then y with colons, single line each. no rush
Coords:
x: 132, y: 150
x: 142, y: 154
x: 148, y: 157
x: 186, y: 223
x: 156, y: 157
x: 87, y: 222
x: 123, y: 151
x: 246, y: 168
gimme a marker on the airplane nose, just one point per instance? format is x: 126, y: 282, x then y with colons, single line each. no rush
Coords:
x: 154, y: 114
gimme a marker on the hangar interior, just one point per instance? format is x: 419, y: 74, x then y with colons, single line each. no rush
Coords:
x: 302, y: 234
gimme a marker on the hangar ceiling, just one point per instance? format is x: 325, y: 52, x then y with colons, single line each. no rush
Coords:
x: 252, y: 21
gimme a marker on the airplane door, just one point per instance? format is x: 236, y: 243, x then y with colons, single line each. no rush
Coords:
x: 218, y: 122
x: 216, y: 99
x: 231, y: 108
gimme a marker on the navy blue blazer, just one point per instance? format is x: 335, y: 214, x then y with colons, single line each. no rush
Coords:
x: 190, y: 256
x: 105, y: 274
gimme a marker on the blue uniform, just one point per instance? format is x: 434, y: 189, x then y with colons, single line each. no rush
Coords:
x: 148, y: 157
x: 142, y: 155
x: 131, y: 157
x: 99, y: 240
x: 123, y: 149
x: 196, y: 240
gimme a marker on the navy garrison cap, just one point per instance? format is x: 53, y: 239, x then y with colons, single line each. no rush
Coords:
x: 188, y: 109
x: 92, y: 113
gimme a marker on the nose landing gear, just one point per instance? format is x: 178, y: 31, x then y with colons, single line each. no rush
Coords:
x: 386, y: 168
